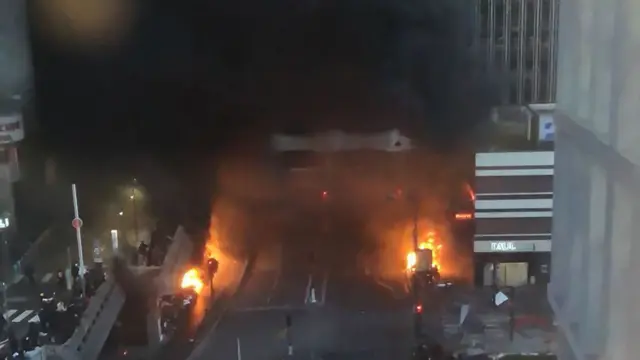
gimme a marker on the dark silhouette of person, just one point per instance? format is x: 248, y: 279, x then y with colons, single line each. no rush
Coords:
x: 29, y: 273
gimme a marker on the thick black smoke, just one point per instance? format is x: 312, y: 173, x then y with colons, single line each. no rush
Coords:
x: 196, y: 78
x: 350, y: 64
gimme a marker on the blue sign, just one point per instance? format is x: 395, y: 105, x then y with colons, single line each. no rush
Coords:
x: 546, y: 128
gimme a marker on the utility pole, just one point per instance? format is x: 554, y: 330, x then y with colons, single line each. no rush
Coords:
x: 7, y: 269
x: 77, y: 224
x: 135, y: 214
x: 415, y: 223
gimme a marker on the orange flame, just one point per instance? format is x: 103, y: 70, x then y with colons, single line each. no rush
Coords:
x: 429, y: 243
x: 192, y: 279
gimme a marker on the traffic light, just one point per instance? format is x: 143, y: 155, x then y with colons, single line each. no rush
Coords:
x: 288, y: 321
x: 212, y: 266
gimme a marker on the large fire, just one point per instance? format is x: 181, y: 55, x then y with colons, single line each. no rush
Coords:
x: 192, y: 279
x: 427, y: 241
x: 212, y: 247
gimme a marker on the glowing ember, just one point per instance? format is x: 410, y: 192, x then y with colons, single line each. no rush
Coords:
x: 192, y: 280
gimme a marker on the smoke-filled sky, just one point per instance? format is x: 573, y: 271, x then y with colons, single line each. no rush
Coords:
x: 184, y: 80
x: 160, y: 74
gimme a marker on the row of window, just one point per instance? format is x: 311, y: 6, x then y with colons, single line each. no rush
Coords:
x: 520, y: 16
x: 11, y: 126
x: 518, y: 38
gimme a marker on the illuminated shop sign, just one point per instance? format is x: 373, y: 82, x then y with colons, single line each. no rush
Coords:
x: 11, y: 129
x: 517, y: 246
x: 503, y: 246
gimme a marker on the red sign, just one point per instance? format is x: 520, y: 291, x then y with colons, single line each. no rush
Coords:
x: 76, y: 223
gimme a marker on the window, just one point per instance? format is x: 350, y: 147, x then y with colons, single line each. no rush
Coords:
x: 513, y: 61
x: 11, y: 126
x: 515, y: 16
x: 528, y: 91
x: 499, y: 21
x: 530, y: 19
x: 543, y: 89
x: 513, y: 93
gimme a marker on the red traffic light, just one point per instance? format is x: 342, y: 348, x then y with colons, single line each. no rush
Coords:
x: 325, y: 194
x: 418, y: 309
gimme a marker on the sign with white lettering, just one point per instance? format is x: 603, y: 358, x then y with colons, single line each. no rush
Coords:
x: 11, y: 129
x: 514, y: 246
x: 503, y: 246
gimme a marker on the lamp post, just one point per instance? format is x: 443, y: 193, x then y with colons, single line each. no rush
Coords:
x: 133, y: 198
x: 119, y: 224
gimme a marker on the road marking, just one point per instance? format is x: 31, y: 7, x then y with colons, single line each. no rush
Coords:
x: 47, y: 277
x: 325, y: 281
x: 10, y: 313
x: 22, y: 316
x: 308, y: 289
x: 35, y: 319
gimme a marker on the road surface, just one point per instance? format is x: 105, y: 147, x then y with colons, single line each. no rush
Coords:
x: 351, y: 316
x: 48, y: 255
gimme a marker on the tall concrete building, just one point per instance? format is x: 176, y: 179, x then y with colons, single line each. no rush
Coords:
x: 518, y: 39
x: 595, y: 277
x: 15, y: 82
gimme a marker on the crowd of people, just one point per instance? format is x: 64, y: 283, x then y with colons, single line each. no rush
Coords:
x: 60, y: 310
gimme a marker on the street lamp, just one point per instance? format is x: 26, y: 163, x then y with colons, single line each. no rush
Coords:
x: 135, y: 212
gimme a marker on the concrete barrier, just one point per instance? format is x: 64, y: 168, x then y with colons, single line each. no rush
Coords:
x: 87, y: 341
x: 95, y: 325
x: 178, y: 256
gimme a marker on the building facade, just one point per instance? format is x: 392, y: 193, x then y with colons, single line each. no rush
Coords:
x: 15, y: 82
x: 595, y: 281
x: 518, y: 40
x: 513, y: 215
